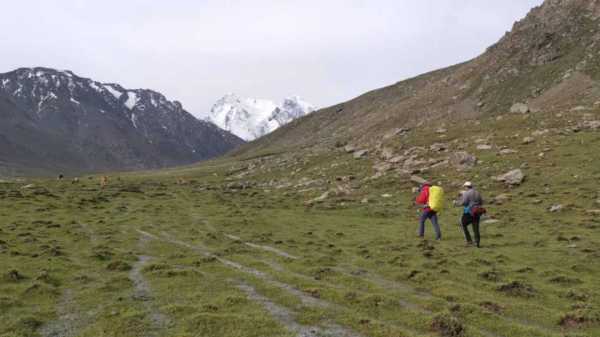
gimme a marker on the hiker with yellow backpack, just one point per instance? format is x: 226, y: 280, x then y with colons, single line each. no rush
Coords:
x: 431, y: 198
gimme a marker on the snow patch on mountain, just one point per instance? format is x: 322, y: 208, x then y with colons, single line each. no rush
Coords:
x: 251, y: 118
x: 117, y: 94
x: 132, y: 99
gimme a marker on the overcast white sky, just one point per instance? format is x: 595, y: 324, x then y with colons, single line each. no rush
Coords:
x: 326, y: 51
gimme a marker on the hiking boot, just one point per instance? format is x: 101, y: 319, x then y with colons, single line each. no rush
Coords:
x: 469, y: 244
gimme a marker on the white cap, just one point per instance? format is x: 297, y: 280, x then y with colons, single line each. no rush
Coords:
x: 468, y: 184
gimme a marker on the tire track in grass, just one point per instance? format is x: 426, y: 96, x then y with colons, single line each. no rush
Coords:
x: 287, y: 318
x: 143, y: 292
x: 285, y: 314
x: 262, y: 247
x: 70, y: 320
x: 305, y: 299
x: 398, y: 286
x: 67, y: 322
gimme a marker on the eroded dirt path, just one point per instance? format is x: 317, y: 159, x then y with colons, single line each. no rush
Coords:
x: 263, y: 247
x: 287, y: 318
x: 142, y: 291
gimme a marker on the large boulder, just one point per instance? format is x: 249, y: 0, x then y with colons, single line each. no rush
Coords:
x: 512, y: 178
x: 519, y: 108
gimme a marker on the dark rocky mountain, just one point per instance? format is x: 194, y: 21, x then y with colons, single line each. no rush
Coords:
x: 56, y: 121
x: 548, y: 63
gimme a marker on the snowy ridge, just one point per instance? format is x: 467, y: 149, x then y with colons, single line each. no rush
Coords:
x: 251, y: 118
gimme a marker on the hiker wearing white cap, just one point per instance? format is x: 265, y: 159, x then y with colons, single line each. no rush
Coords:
x: 472, y: 203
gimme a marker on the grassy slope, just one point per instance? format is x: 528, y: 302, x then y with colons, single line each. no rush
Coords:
x: 78, y: 249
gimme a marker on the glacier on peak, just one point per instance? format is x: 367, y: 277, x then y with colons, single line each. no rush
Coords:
x: 251, y: 118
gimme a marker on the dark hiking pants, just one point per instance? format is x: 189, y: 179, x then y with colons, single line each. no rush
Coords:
x: 434, y: 220
x: 468, y: 219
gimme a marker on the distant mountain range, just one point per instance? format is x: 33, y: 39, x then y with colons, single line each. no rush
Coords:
x: 56, y: 121
x: 251, y: 118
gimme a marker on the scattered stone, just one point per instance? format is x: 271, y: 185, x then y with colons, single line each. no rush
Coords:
x: 512, y: 178
x: 349, y: 149
x: 397, y: 159
x: 491, y: 221
x: 505, y: 152
x: 528, y: 140
x: 361, y: 154
x: 519, y: 108
x: 441, y: 130
x: 578, y: 108
x: 418, y: 180
x: 484, y: 147
x: 387, y: 153
x: 318, y: 199
x: 413, y: 162
x: 387, y: 195
x: 555, y: 208
x: 593, y: 211
x: 593, y: 125
x: 383, y: 167
x: 462, y: 160
x: 438, y: 147
x: 396, y: 132
x: 539, y: 133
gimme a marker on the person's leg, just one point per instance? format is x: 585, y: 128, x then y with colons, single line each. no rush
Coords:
x: 476, y: 219
x: 466, y: 220
x: 436, y: 226
x: 422, y: 219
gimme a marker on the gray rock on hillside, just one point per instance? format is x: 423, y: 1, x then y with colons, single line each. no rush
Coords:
x: 361, y: 154
x: 462, y: 160
x: 512, y: 178
x: 519, y: 108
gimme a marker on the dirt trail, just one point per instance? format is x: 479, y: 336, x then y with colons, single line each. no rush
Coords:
x: 143, y: 292
x: 304, y: 298
x: 262, y: 247
x: 286, y: 318
x: 68, y: 321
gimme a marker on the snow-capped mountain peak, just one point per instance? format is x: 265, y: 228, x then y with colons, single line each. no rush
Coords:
x: 251, y: 118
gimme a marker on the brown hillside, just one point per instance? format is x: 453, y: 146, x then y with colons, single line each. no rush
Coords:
x: 549, y: 61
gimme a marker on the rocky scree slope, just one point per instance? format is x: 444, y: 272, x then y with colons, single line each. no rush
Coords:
x: 57, y: 121
x: 547, y: 63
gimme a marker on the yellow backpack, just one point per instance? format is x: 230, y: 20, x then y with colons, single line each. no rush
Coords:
x: 436, y: 198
